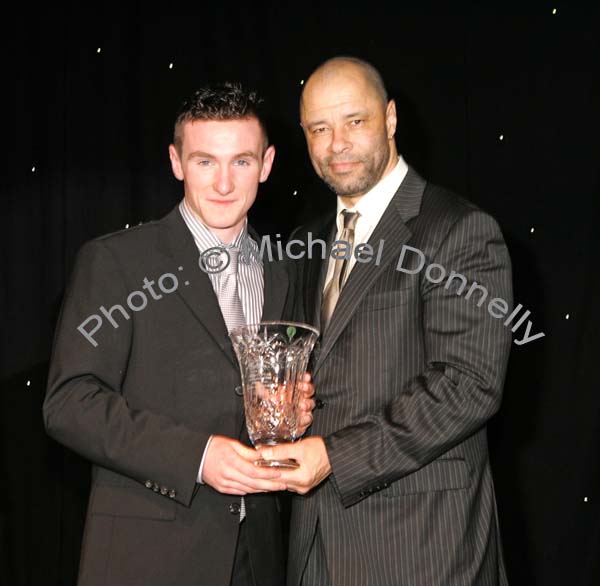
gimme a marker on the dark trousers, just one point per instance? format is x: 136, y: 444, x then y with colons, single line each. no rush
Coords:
x: 242, y: 568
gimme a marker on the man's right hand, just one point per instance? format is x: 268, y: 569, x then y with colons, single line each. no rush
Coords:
x: 229, y: 468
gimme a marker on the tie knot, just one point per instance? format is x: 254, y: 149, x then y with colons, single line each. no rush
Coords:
x: 350, y: 219
x: 232, y: 267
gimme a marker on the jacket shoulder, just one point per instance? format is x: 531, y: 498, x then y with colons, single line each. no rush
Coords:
x: 129, y: 236
x: 138, y: 241
x: 442, y: 210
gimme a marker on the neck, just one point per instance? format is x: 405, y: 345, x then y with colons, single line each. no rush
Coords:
x: 228, y: 235
x: 225, y: 235
x: 350, y: 201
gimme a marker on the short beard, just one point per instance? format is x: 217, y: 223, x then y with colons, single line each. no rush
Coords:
x: 371, y: 177
x: 359, y: 186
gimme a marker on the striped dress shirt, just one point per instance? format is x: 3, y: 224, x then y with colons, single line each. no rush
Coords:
x: 250, y: 272
x: 250, y: 268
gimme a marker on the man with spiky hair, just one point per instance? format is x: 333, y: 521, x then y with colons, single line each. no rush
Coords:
x: 144, y: 381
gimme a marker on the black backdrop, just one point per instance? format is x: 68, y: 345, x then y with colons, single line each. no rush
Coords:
x: 499, y: 103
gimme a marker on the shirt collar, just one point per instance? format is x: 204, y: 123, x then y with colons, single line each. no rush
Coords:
x: 203, y: 235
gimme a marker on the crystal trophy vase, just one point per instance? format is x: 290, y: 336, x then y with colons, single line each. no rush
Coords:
x: 273, y: 358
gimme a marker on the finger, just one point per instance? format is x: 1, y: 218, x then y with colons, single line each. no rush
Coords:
x: 306, y: 420
x: 252, y: 471
x: 307, y: 377
x: 297, y: 489
x: 236, y: 490
x: 306, y: 414
x: 246, y: 453
x: 260, y: 389
x: 293, y: 484
x: 249, y: 485
x: 236, y: 486
x: 307, y: 405
x: 280, y: 452
x: 250, y: 477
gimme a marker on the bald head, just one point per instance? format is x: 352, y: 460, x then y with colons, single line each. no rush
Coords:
x: 349, y: 126
x: 337, y: 67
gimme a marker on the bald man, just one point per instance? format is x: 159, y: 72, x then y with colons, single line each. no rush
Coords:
x: 394, y: 485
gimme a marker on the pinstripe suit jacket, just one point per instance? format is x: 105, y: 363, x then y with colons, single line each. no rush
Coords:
x: 408, y: 372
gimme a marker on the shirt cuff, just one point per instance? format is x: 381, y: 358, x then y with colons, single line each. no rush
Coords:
x: 199, y: 479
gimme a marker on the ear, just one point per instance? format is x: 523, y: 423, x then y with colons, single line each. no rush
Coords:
x: 175, y: 162
x: 267, y: 163
x: 390, y: 119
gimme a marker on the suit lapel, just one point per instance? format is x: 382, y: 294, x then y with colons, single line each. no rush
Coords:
x: 275, y: 287
x: 392, y: 229
x: 199, y: 296
x: 179, y: 247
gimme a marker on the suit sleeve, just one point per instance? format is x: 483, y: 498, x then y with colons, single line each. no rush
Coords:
x: 84, y: 408
x: 460, y: 387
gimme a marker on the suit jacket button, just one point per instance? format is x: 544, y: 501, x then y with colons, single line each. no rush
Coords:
x: 234, y: 508
x: 172, y: 494
x: 239, y: 391
x: 148, y: 484
x: 319, y: 404
x: 164, y: 490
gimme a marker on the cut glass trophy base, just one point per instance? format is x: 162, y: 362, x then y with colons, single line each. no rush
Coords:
x: 286, y: 463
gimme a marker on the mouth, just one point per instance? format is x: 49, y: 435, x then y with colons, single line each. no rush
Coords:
x: 343, y: 166
x: 222, y: 202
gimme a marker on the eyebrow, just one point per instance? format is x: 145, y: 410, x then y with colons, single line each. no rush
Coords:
x: 248, y: 154
x: 203, y: 155
x: 360, y: 113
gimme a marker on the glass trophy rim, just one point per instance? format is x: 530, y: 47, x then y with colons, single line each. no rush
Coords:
x: 276, y: 322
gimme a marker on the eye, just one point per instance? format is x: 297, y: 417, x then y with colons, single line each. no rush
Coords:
x: 242, y: 163
x: 356, y: 122
x: 319, y: 129
x: 203, y: 162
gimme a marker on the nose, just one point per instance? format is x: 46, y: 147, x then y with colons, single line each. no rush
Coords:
x: 339, y: 141
x: 223, y: 183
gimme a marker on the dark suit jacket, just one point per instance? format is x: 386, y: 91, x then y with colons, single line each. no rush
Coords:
x: 408, y: 372
x: 142, y: 405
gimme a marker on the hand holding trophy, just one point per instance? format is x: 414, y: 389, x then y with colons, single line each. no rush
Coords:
x: 273, y: 357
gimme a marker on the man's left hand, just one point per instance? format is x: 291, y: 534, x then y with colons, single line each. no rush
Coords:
x: 307, y: 404
x: 312, y: 456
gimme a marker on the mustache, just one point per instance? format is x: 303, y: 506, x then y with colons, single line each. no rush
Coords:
x: 336, y: 160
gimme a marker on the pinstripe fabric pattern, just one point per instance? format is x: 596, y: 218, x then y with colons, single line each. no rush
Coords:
x: 409, y: 372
